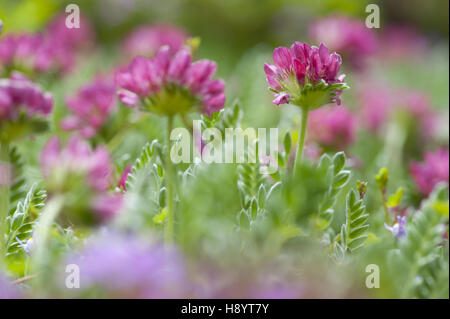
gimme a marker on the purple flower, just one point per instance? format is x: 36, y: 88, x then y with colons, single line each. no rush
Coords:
x: 121, y: 266
x: 332, y: 127
x: 20, y: 96
x: 147, y: 40
x: 90, y: 108
x: 305, y: 76
x: 351, y: 37
x: 77, y: 159
x: 433, y: 170
x: 7, y: 289
x: 399, y: 227
x: 170, y: 85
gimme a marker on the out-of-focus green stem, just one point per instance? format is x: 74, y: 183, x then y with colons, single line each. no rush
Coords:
x: 42, y: 230
x: 169, y: 184
x: 4, y: 200
x: 301, y: 138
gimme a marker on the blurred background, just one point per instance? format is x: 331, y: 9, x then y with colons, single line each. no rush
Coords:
x: 406, y: 60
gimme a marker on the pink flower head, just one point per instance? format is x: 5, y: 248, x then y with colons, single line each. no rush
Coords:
x: 147, y: 40
x: 351, y: 37
x: 170, y: 85
x: 76, y: 159
x: 332, y: 127
x: 305, y: 76
x: 433, y: 170
x: 19, y: 96
x: 90, y: 108
x: 71, y: 38
x: 35, y: 53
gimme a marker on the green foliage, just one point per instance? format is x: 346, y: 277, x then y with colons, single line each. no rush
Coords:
x: 20, y: 223
x: 420, y: 263
x: 227, y: 117
x: 151, y: 153
x: 254, y: 190
x: 337, y: 178
x: 353, y: 233
x: 17, y: 189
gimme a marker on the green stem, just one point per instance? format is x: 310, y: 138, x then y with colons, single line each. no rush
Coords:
x: 4, y: 201
x: 301, y: 138
x: 42, y: 230
x: 169, y: 184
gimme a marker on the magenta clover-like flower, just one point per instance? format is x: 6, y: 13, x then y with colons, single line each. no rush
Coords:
x: 90, y: 108
x: 23, y: 104
x: 171, y: 85
x: 305, y: 76
x: 84, y: 174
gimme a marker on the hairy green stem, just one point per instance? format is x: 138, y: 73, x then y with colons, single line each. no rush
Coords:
x: 169, y: 184
x: 4, y: 199
x: 301, y: 138
x: 43, y: 226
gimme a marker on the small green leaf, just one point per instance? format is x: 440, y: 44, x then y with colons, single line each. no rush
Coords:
x: 394, y: 200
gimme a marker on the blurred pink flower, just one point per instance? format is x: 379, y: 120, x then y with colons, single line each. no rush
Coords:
x: 107, y: 206
x: 77, y: 159
x: 332, y: 127
x: 147, y: 40
x: 434, y: 169
x: 348, y: 36
x: 90, y: 108
x: 19, y: 95
x: 74, y: 38
x: 380, y: 103
x: 34, y: 53
x: 400, y: 42
x: 301, y: 65
x: 170, y: 85
x: 50, y: 51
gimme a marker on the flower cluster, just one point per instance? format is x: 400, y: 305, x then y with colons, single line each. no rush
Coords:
x: 433, y: 170
x: 305, y: 76
x: 20, y: 100
x: 77, y: 166
x: 129, y: 267
x: 351, y: 37
x: 90, y: 108
x: 332, y: 127
x: 146, y: 40
x: 171, y: 85
x: 50, y: 51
